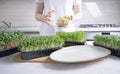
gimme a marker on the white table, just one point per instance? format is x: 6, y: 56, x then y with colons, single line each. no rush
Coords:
x: 110, y: 65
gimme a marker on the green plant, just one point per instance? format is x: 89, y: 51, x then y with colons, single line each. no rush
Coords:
x: 40, y: 43
x: 112, y: 41
x: 9, y: 39
x: 78, y: 36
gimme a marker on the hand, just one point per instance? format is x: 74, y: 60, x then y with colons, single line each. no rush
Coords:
x: 47, y: 17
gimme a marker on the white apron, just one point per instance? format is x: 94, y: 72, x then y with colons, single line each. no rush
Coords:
x: 61, y: 8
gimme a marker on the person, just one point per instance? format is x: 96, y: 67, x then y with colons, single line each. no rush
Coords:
x: 47, y: 12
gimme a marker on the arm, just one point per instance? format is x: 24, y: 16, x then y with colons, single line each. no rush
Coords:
x: 39, y: 14
x: 77, y: 12
x: 39, y: 11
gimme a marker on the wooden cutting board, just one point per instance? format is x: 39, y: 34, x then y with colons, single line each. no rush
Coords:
x: 45, y: 59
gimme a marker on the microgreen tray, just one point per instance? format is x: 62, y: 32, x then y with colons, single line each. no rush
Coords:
x: 72, y: 43
x: 9, y: 51
x: 38, y: 53
x: 114, y: 52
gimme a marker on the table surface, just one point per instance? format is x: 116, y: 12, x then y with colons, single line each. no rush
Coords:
x: 109, y: 65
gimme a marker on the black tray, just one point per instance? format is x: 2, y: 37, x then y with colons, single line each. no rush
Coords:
x: 9, y: 51
x: 72, y: 43
x: 114, y: 52
x: 38, y: 53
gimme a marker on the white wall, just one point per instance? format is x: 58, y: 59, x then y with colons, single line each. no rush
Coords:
x: 110, y: 10
x: 21, y: 12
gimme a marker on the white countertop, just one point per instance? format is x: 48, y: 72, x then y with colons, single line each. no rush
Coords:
x: 100, y: 29
x: 109, y: 65
x: 24, y: 29
x: 37, y: 29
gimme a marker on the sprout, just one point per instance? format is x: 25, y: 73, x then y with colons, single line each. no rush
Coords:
x: 63, y: 21
x: 9, y: 39
x: 39, y: 43
x: 112, y: 41
x: 79, y: 36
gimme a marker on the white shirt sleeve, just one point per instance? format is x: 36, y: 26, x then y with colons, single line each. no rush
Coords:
x: 77, y: 2
x: 40, y: 1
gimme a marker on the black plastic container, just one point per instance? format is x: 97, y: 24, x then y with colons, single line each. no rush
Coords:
x: 114, y: 52
x: 38, y: 53
x: 9, y: 51
x: 72, y: 43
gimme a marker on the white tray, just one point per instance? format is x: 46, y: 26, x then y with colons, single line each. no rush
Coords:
x: 81, y: 53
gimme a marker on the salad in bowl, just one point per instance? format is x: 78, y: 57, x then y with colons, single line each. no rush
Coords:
x: 64, y: 21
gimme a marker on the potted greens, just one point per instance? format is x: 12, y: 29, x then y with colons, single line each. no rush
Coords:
x: 73, y: 38
x: 111, y: 42
x: 9, y: 41
x: 35, y: 47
